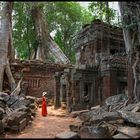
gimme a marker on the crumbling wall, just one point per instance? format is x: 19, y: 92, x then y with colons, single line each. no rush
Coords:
x: 37, y: 76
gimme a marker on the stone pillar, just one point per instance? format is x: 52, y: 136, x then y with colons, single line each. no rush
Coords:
x: 57, y: 91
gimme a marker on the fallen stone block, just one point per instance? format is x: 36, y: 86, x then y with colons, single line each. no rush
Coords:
x: 12, y: 100
x: 67, y: 135
x: 2, y: 104
x: 132, y: 132
x: 77, y: 113
x: 106, y: 116
x: 31, y: 98
x: 3, y: 94
x: 120, y: 136
x: 1, y: 127
x: 15, y: 118
x: 74, y: 128
x: 2, y: 111
x: 115, y: 99
x: 22, y: 124
x: 132, y: 107
x: 32, y: 106
x: 132, y: 117
x: 112, y: 128
x: 94, y: 132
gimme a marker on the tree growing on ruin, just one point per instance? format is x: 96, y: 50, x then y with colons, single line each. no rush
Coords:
x: 6, y: 45
x: 130, y: 13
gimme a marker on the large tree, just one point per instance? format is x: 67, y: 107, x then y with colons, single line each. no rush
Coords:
x: 130, y: 13
x: 101, y: 10
x: 6, y: 46
x: 66, y: 20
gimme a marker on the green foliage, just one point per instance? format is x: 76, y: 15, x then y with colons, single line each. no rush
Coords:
x: 101, y: 10
x: 23, y: 32
x: 66, y: 19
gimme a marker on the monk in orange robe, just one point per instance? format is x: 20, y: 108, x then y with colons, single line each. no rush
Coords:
x: 44, y: 106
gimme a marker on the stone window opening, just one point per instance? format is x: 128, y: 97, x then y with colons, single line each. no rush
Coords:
x: 86, y: 92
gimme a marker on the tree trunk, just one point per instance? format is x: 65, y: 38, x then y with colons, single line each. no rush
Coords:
x: 5, y: 38
x: 107, y: 15
x: 41, y: 33
x: 130, y: 18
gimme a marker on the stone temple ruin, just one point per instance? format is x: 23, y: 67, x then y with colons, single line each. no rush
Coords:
x: 100, y: 70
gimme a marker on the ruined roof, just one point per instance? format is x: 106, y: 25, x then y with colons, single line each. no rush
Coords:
x: 98, y: 30
x: 58, y: 54
x: 39, y: 64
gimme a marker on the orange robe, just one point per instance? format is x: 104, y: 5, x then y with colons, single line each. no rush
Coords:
x: 44, y: 106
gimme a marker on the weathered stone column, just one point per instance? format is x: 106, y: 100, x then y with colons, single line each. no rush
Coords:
x: 57, y: 91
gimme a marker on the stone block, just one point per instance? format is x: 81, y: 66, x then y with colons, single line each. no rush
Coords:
x: 31, y: 98
x: 120, y: 136
x: 94, y: 132
x: 1, y: 127
x: 131, y: 132
x: 67, y: 135
x: 22, y: 124
x: 132, y: 117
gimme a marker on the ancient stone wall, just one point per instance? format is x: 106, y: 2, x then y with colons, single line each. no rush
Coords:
x: 37, y: 76
x: 101, y: 66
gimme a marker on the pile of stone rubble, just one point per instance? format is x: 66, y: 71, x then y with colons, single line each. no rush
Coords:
x: 16, y: 112
x: 115, y: 119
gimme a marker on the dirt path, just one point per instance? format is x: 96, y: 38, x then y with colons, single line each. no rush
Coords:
x: 46, y: 127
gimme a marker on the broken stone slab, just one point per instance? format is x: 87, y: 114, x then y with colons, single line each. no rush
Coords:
x: 95, y: 107
x: 120, y: 136
x: 31, y: 98
x: 132, y: 117
x: 2, y: 111
x: 19, y: 103
x: 1, y: 99
x: 1, y: 127
x: 15, y: 118
x: 129, y: 132
x: 6, y: 98
x: 75, y: 128
x: 23, y: 109
x: 87, y: 115
x: 25, y: 102
x: 32, y: 106
x: 67, y: 135
x: 17, y: 128
x: 132, y: 107
x: 106, y: 116
x: 22, y: 124
x: 12, y: 100
x: 136, y: 109
x: 111, y: 127
x: 2, y: 104
x: 3, y: 94
x: 74, y: 114
x: 115, y: 99
x: 94, y: 132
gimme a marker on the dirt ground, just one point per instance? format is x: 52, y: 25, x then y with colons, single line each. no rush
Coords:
x: 57, y: 121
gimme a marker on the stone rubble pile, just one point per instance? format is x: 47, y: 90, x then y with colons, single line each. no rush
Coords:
x: 16, y: 112
x: 115, y: 119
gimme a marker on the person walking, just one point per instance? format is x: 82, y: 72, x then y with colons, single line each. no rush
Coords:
x: 44, y: 105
